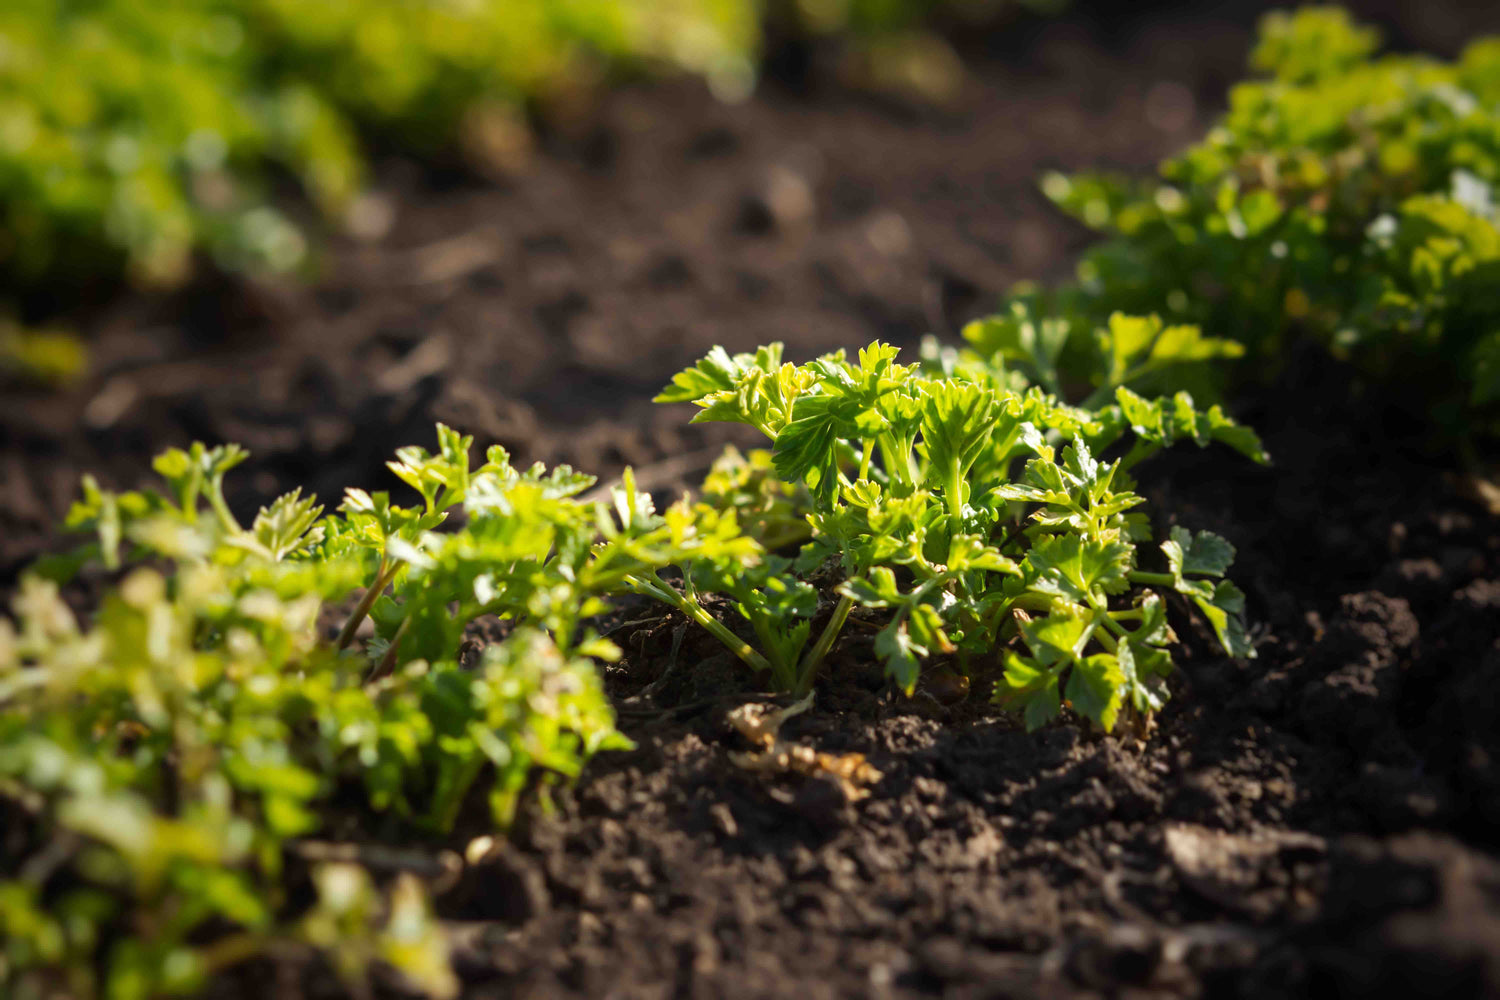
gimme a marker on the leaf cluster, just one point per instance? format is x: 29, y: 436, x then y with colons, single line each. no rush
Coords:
x: 1344, y: 197
x: 165, y: 759
x: 133, y: 135
x: 966, y: 513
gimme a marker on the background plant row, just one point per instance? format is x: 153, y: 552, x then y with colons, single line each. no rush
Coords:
x: 1345, y: 200
x: 134, y: 137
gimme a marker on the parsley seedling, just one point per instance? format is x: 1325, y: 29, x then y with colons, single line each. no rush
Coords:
x: 969, y: 513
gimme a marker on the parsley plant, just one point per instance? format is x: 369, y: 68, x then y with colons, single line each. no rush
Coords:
x: 1343, y: 197
x: 970, y: 515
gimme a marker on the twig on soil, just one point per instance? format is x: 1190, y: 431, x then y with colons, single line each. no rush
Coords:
x: 689, y: 707
x: 452, y: 258
x: 636, y: 622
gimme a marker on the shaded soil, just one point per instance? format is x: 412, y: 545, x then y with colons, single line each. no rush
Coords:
x: 1320, y: 821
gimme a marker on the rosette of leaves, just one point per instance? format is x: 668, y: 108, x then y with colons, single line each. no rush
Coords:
x: 1343, y: 198
x: 975, y: 519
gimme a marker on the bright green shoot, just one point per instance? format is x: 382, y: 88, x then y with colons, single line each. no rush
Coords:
x: 965, y: 514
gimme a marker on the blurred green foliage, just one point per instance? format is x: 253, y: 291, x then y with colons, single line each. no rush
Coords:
x: 899, y: 47
x: 1343, y: 198
x: 40, y: 356
x: 135, y: 137
x: 132, y: 134
x: 877, y: 17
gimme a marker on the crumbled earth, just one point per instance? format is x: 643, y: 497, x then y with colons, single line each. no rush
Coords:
x: 1318, y: 822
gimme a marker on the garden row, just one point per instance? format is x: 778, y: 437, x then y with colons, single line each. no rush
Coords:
x: 141, y: 142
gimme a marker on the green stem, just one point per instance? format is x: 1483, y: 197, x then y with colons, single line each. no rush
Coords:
x: 1112, y: 625
x: 388, y: 662
x: 1139, y: 452
x: 1096, y: 399
x: 897, y: 462
x: 1152, y: 579
x: 1032, y: 602
x: 814, y: 658
x: 1106, y: 392
x: 780, y: 673
x: 955, y: 490
x: 221, y: 508
x: 1089, y: 631
x: 955, y: 486
x: 366, y: 602
x: 653, y: 586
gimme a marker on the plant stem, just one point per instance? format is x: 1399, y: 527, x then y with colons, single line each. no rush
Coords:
x: 780, y: 674
x: 1032, y: 602
x: 1096, y: 399
x: 897, y: 462
x: 1156, y: 579
x: 954, y: 487
x: 388, y: 661
x: 1089, y: 631
x: 653, y: 586
x: 366, y: 602
x: 1111, y: 624
x: 216, y: 500
x: 815, y: 656
x: 1139, y: 452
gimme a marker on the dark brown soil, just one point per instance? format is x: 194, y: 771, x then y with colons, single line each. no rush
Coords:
x: 1321, y: 821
